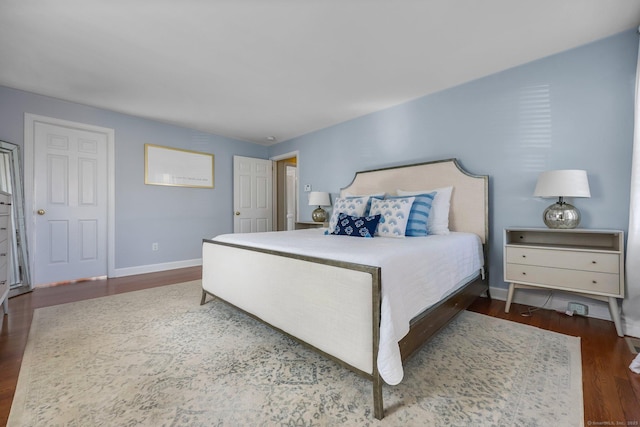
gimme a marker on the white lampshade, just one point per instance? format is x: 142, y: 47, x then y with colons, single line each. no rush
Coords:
x: 562, y: 183
x: 319, y: 198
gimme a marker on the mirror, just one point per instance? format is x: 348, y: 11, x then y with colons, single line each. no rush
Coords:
x: 11, y: 182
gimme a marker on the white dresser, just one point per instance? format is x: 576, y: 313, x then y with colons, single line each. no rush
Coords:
x: 586, y: 262
x: 5, y: 218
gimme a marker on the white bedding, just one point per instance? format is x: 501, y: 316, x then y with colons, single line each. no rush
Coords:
x: 416, y: 273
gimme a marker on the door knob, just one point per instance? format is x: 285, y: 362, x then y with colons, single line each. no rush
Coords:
x: 237, y: 213
x: 41, y: 211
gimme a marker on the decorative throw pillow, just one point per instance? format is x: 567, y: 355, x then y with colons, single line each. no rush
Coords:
x: 438, y: 222
x: 417, y: 224
x: 395, y: 215
x: 378, y: 196
x: 351, y: 206
x: 356, y: 226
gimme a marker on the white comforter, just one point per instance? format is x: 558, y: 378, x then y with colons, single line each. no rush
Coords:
x: 416, y: 273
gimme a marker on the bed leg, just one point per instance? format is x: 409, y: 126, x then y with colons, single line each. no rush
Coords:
x: 204, y: 297
x: 489, y: 294
x: 378, y: 406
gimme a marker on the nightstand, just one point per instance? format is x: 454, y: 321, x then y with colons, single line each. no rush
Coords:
x: 589, y: 263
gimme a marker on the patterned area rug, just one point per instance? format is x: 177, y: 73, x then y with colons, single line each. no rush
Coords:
x: 158, y: 358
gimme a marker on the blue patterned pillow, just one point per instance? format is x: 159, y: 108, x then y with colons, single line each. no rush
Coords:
x: 439, y: 216
x: 356, y: 226
x: 395, y: 215
x: 417, y: 224
x: 355, y: 206
x: 379, y: 196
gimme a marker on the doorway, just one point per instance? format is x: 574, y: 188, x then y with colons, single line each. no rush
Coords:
x: 286, y: 193
x: 265, y: 193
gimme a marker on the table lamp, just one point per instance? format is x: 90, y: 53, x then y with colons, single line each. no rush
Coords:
x: 319, y: 198
x: 561, y: 184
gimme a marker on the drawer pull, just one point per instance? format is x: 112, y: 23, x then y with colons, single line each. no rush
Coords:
x: 594, y: 281
x: 593, y: 262
x: 524, y: 274
x: 3, y: 254
x: 524, y: 256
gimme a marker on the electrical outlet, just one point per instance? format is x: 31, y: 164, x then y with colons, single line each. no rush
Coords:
x: 154, y: 246
x: 307, y: 188
x: 577, y: 308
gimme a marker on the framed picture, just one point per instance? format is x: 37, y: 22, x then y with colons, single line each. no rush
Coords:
x: 176, y: 167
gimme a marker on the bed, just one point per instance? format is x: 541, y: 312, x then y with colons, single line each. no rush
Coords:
x: 368, y: 304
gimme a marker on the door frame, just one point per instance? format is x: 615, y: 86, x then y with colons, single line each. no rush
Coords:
x: 30, y: 121
x: 275, y: 185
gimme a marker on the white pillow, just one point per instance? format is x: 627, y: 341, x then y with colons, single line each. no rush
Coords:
x: 354, y: 206
x: 438, y: 222
x: 395, y: 215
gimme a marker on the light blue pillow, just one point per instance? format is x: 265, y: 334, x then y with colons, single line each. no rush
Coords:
x: 439, y: 215
x: 371, y: 197
x: 419, y: 214
x: 395, y: 215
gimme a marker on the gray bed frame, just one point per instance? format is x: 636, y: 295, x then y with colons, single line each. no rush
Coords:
x: 468, y: 213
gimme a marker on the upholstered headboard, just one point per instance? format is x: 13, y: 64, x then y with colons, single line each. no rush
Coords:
x: 469, y: 210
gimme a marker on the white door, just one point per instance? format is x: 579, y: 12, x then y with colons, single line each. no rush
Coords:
x: 291, y: 196
x: 252, y: 195
x: 70, y: 201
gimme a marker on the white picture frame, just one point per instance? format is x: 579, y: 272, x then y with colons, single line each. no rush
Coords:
x: 177, y: 167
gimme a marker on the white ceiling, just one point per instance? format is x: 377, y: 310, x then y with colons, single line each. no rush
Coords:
x: 249, y: 69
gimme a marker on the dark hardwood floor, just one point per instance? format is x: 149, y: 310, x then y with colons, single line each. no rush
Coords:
x: 611, y: 391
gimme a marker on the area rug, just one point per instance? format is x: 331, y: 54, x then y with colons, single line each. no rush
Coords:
x: 157, y: 358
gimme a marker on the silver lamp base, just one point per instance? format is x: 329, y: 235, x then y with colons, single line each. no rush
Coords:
x: 319, y: 215
x: 561, y: 215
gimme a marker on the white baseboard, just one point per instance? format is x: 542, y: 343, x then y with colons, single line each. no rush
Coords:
x: 153, y: 268
x: 631, y: 329
x: 558, y: 301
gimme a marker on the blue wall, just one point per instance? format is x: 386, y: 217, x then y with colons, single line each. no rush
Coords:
x: 177, y: 218
x: 573, y: 110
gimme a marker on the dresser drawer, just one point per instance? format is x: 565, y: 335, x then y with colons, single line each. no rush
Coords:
x: 4, y: 283
x: 586, y: 281
x: 4, y: 250
x: 5, y: 204
x: 4, y: 224
x: 3, y: 275
x: 4, y: 289
x: 574, y: 260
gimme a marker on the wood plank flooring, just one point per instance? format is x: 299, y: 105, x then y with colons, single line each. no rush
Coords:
x: 611, y: 391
